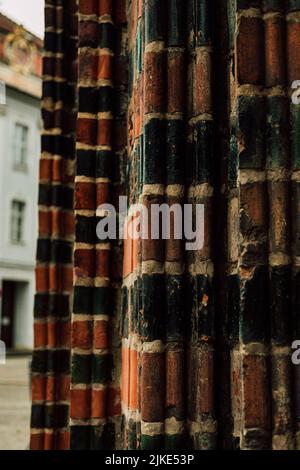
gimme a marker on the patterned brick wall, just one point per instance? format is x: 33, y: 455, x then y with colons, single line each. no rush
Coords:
x: 54, y: 270
x: 178, y: 102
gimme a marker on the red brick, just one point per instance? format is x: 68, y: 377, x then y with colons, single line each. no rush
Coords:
x: 153, y: 387
x: 154, y: 83
x: 82, y: 334
x: 250, y: 53
x: 275, y: 51
x: 256, y: 397
x: 80, y: 404
x: 87, y: 131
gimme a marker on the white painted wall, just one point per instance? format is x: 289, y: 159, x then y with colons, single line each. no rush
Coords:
x: 17, y: 262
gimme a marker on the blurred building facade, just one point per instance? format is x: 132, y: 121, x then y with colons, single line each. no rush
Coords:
x: 20, y: 124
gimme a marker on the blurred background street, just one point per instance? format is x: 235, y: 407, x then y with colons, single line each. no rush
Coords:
x: 14, y: 403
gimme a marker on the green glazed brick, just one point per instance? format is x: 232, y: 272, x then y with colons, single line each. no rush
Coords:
x: 152, y: 442
x: 154, y: 152
x: 254, y: 325
x: 103, y: 437
x: 41, y: 305
x: 175, y: 151
x: 88, y: 99
x: 86, y: 163
x: 176, y: 23
x: 58, y: 361
x: 152, y: 322
x: 273, y: 5
x: 251, y: 131
x: 81, y: 368
x: 175, y: 321
x: 245, y: 4
x: 102, y: 301
x: 86, y: 229
x: 106, y: 35
x: 56, y: 416
x: 295, y: 136
x: 154, y: 20
x: 203, y: 22
x: 199, y: 307
x: 104, y: 164
x: 176, y: 442
x: 203, y: 168
x: 277, y: 132
x: 280, y: 305
x: 83, y: 300
x: 38, y: 413
x: 132, y: 435
x: 102, y: 366
x: 293, y: 5
x: 80, y: 437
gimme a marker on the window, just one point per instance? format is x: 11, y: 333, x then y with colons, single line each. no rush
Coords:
x: 20, y: 146
x: 17, y: 222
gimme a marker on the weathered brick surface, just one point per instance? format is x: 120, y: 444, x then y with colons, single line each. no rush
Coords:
x: 179, y: 102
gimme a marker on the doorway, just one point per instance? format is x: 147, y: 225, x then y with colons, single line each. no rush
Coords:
x: 8, y: 312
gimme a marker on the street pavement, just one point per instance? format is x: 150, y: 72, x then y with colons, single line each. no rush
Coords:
x: 14, y: 404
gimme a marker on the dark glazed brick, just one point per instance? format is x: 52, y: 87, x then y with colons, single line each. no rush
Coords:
x: 175, y: 152
x: 280, y: 308
x: 176, y: 23
x: 293, y: 5
x: 81, y: 368
x: 273, y: 5
x: 102, y: 366
x: 154, y: 20
x: 83, y: 299
x: 88, y: 100
x: 251, y: 131
x: 175, y: 321
x: 102, y: 301
x: 106, y: 34
x: 254, y: 307
x: 86, y: 229
x: 86, y: 163
x: 80, y: 437
x: 152, y: 322
x: 295, y: 136
x: 154, y: 153
x: 103, y: 437
x: 277, y: 132
x: 104, y: 164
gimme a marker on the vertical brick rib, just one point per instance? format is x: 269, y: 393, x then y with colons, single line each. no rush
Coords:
x: 50, y: 364
x: 204, y: 116
x: 200, y: 190
x: 152, y: 322
x: 277, y: 172
x: 251, y: 357
x: 132, y: 283
x: 94, y: 397
x: 174, y: 259
x: 293, y: 73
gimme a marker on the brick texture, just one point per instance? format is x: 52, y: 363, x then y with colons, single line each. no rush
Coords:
x: 178, y: 102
